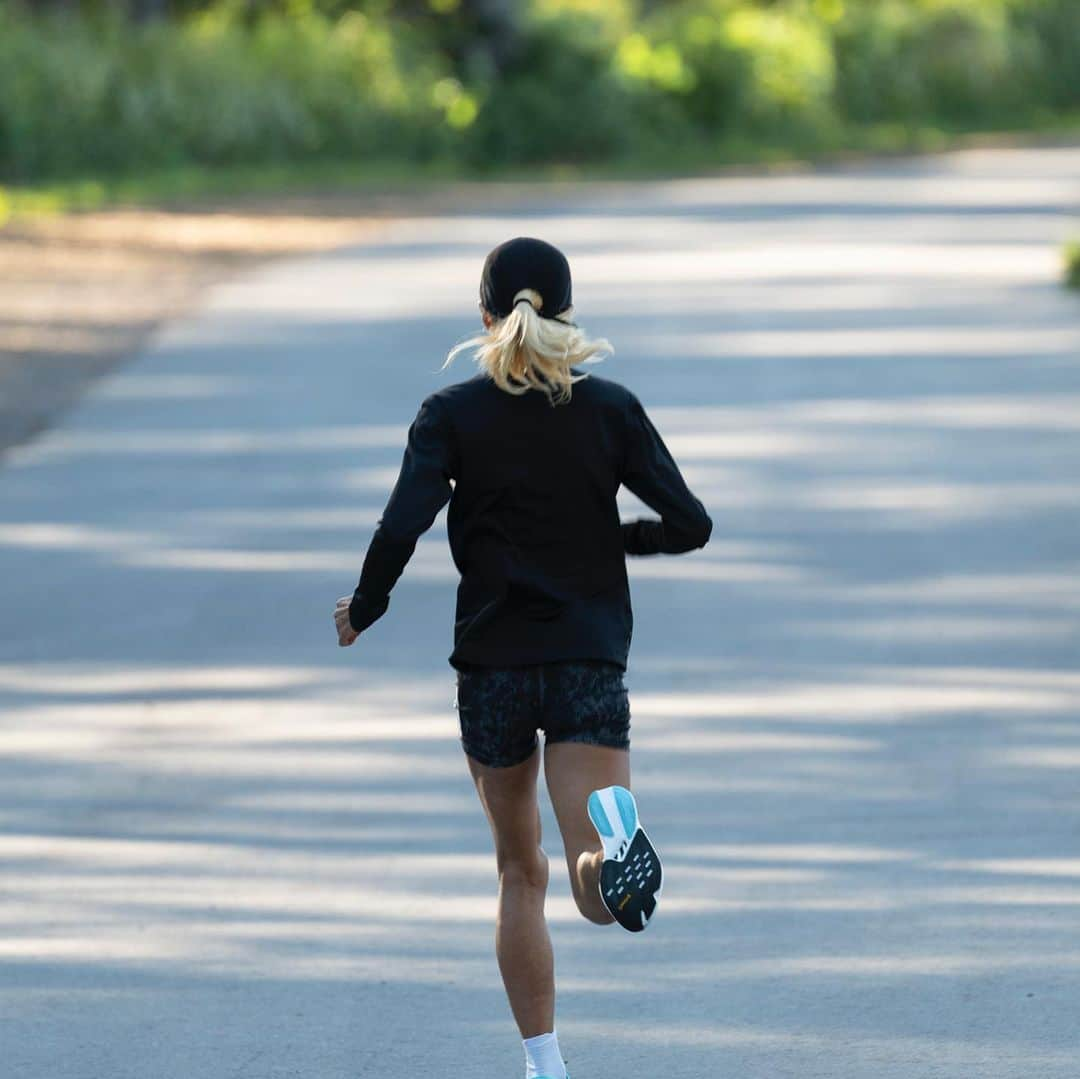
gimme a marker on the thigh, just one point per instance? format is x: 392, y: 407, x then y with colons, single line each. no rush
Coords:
x: 508, y: 796
x: 587, y: 744
x: 498, y: 713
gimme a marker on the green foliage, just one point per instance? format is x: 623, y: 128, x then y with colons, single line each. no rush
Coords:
x: 737, y: 67
x: 1054, y: 25
x: 962, y: 62
x: 1072, y: 264
x: 581, y: 82
x: 99, y: 94
x: 562, y: 99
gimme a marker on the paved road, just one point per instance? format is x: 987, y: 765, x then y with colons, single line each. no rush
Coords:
x: 232, y: 850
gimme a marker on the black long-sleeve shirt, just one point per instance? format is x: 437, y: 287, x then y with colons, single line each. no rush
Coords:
x: 533, y: 525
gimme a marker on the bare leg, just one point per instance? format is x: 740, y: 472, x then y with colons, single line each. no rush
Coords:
x: 573, y: 770
x: 587, y: 886
x: 522, y: 944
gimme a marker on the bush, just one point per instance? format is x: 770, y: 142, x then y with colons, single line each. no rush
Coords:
x: 958, y: 62
x: 99, y: 94
x: 733, y: 67
x: 1055, y: 25
x: 1072, y: 264
x: 556, y: 100
x: 587, y: 81
x: 563, y: 98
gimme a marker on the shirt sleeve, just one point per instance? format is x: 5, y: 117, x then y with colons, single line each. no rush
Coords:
x: 650, y: 472
x: 422, y: 489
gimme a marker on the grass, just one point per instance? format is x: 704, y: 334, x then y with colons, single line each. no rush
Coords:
x: 188, y: 185
x: 192, y: 183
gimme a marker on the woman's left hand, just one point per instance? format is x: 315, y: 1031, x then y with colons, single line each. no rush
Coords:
x: 346, y: 634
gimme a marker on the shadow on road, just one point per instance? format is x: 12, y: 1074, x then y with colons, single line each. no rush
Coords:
x: 232, y: 849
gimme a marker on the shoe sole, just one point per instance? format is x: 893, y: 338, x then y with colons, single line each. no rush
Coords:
x: 631, y: 876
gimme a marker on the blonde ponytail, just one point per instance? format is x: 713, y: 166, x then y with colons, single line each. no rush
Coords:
x: 526, y: 351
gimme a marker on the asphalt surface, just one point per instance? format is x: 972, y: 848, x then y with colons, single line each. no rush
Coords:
x: 231, y: 849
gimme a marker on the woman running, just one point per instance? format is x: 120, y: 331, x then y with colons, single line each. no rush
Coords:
x: 530, y: 453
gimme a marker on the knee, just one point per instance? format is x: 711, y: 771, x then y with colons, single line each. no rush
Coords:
x: 525, y: 873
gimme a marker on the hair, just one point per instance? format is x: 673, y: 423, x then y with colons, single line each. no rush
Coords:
x: 524, y: 350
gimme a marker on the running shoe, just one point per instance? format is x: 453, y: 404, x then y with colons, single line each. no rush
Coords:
x: 631, y: 876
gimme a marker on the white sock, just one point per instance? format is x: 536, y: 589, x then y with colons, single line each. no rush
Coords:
x: 542, y: 1057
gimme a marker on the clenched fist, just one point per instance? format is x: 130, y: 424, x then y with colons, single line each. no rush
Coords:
x: 346, y: 634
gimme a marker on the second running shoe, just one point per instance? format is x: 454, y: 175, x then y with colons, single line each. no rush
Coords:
x: 631, y: 877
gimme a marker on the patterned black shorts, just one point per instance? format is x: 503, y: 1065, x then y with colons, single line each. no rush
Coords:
x: 500, y: 709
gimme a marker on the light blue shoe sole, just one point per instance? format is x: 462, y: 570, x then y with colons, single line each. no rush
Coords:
x: 631, y: 877
x: 614, y: 815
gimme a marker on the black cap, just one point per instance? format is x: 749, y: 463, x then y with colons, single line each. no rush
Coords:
x: 525, y: 262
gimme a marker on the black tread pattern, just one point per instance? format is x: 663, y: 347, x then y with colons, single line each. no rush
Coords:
x: 629, y: 887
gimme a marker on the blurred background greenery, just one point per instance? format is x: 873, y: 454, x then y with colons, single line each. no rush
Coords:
x: 1072, y: 264
x: 115, y: 89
